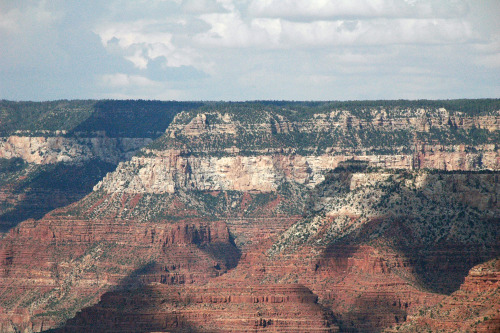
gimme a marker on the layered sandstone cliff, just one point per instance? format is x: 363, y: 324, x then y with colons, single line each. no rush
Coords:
x: 55, y: 149
x: 53, y: 172
x: 270, y: 308
x: 377, y: 246
x: 53, y: 268
x: 53, y: 153
x: 231, y: 150
x: 475, y: 307
x: 374, y: 249
x: 232, y: 220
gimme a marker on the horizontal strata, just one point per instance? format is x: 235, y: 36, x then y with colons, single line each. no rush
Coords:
x: 318, y: 131
x: 174, y: 170
x: 277, y: 308
x: 260, y: 149
x: 208, y: 227
x: 50, y: 150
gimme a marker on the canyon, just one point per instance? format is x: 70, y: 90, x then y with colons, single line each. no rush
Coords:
x: 251, y: 217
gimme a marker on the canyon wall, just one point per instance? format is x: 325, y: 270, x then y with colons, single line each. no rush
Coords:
x: 472, y: 308
x: 173, y: 169
x: 227, y: 150
x: 53, y: 153
x: 50, y: 150
x: 276, y: 308
x: 249, y: 216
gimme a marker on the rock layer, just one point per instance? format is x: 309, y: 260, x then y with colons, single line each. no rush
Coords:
x: 265, y: 308
x: 49, y: 150
x: 475, y: 307
x: 233, y: 221
x: 174, y: 170
x: 52, y: 268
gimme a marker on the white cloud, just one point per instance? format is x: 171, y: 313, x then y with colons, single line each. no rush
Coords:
x: 489, y: 60
x: 271, y: 24
x: 229, y: 30
x: 131, y: 33
x: 119, y: 80
x: 201, y: 6
x: 240, y: 49
x: 144, y: 40
x: 138, y: 59
x: 345, y: 9
x: 125, y: 86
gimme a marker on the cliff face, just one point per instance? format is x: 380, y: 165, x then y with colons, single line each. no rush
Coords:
x: 51, y: 150
x: 273, y: 308
x: 55, y: 171
x: 231, y: 150
x: 233, y: 218
x: 52, y: 268
x: 433, y: 207
x: 472, y: 308
x: 30, y: 190
x: 53, y: 153
x: 377, y: 246
x: 173, y: 170
x: 374, y: 248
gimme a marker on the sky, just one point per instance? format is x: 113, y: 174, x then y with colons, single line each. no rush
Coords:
x: 249, y: 49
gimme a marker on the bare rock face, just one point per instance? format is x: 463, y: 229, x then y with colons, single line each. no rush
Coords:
x: 378, y: 246
x: 219, y: 308
x: 233, y: 221
x: 475, y: 307
x: 362, y: 269
x: 52, y: 268
x: 174, y: 170
x: 53, y: 153
x: 239, y: 173
x: 226, y: 151
x: 49, y: 150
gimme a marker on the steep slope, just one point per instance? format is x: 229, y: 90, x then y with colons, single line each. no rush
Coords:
x: 52, y: 268
x: 380, y: 244
x: 217, y: 202
x: 275, y: 308
x: 53, y: 153
x: 394, y: 135
x: 475, y: 307
x: 376, y: 247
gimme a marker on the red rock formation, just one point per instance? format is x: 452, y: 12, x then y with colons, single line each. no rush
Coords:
x: 53, y: 267
x: 475, y: 307
x: 365, y: 287
x: 213, y: 308
x: 157, y: 246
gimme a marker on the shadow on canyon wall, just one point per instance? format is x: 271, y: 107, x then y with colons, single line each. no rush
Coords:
x: 151, y: 308
x: 131, y: 307
x: 373, y: 314
x: 438, y: 261
x: 57, y: 185
x: 447, y: 248
x: 49, y: 187
x: 134, y: 305
x: 131, y: 118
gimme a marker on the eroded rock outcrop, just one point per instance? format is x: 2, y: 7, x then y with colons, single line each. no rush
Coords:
x: 231, y: 220
x: 234, y: 151
x: 49, y: 150
x: 378, y: 246
x: 264, y: 308
x: 475, y: 307
x: 53, y: 153
x: 52, y: 268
